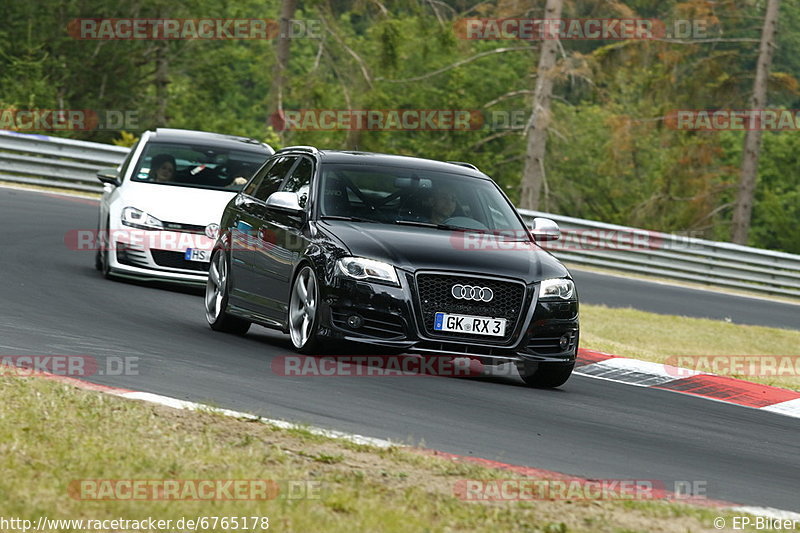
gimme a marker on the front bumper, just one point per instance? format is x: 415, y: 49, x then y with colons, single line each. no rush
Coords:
x: 394, y: 318
x: 158, y: 255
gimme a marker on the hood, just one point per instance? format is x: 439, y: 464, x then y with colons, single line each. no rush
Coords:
x: 416, y: 248
x: 186, y: 205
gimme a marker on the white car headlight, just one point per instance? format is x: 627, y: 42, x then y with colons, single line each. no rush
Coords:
x: 367, y: 269
x: 136, y: 218
x: 557, y: 288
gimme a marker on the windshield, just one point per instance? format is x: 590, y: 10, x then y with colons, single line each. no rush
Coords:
x: 197, y: 165
x: 397, y: 195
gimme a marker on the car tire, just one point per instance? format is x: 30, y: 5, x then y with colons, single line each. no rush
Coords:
x: 303, y: 315
x: 216, y: 298
x: 98, y: 257
x: 102, y: 259
x: 544, y: 375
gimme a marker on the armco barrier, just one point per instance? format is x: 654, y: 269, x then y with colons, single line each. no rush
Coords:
x: 591, y: 243
x: 58, y: 162
x: 54, y: 161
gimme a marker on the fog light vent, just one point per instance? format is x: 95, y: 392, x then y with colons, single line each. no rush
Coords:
x: 355, y: 321
x: 564, y: 341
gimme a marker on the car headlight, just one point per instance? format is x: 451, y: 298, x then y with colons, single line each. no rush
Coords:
x: 367, y: 269
x: 136, y: 218
x: 557, y: 288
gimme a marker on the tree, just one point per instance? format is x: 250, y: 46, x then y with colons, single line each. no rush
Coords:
x: 752, y: 140
x: 533, y: 173
x: 161, y: 81
x: 282, y: 46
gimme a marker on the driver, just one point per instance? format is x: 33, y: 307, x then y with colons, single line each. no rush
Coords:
x: 162, y: 168
x: 443, y: 206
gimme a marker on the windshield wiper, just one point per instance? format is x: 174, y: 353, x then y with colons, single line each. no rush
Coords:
x: 348, y: 219
x: 437, y: 226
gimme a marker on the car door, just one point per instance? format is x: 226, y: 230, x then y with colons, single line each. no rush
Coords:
x: 242, y: 234
x: 260, y: 240
x: 284, y: 239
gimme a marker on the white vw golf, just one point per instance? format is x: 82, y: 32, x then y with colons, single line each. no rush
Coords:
x: 160, y: 210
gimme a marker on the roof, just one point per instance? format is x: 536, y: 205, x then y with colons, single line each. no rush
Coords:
x: 215, y: 139
x: 371, y: 158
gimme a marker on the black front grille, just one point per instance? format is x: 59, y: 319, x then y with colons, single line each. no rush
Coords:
x: 169, y: 259
x: 435, y: 296
x: 376, y: 324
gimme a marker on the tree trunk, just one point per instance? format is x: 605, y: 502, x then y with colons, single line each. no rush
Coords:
x: 533, y: 172
x: 161, y: 82
x: 752, y: 139
x: 278, y: 85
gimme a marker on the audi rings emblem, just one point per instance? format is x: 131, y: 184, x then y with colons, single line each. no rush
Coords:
x: 468, y: 292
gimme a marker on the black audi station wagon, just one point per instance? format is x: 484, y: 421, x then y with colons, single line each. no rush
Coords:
x: 404, y: 254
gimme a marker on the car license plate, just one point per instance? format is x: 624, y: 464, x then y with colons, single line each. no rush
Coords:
x: 477, y: 325
x: 196, y: 254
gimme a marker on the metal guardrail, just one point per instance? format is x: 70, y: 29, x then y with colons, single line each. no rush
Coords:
x: 71, y: 164
x: 591, y: 243
x: 54, y: 161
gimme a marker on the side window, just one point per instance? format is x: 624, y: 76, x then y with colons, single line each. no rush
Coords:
x: 127, y: 163
x: 300, y: 180
x: 252, y: 186
x: 274, y: 177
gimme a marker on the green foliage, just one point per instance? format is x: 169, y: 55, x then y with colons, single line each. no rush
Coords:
x: 776, y: 212
x: 610, y: 154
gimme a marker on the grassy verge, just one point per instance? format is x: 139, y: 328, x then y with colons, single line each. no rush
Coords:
x: 53, y: 434
x: 658, y: 338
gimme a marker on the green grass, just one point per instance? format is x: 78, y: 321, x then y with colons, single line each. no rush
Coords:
x: 657, y: 338
x: 53, y: 434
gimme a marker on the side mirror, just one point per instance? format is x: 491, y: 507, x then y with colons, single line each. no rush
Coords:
x: 109, y: 176
x: 285, y: 201
x: 545, y: 229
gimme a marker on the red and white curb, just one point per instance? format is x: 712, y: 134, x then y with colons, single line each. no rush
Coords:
x: 609, y: 367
